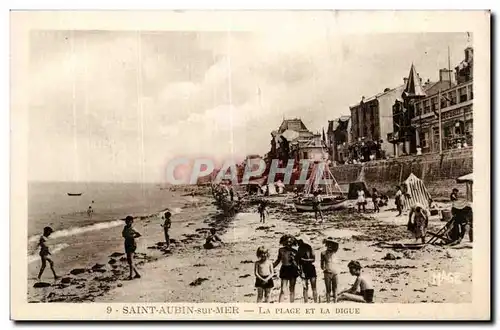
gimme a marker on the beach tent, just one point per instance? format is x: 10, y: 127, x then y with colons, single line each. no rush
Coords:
x: 417, y: 192
x: 354, y: 187
x: 468, y: 180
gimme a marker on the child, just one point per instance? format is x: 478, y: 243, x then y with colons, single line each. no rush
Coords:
x: 329, y: 267
x: 361, y: 200
x: 365, y: 292
x: 263, y: 274
x: 129, y: 234
x: 212, y: 241
x: 289, y: 270
x: 166, y: 226
x: 45, y: 253
x: 262, y: 211
x: 376, y: 200
x: 316, y: 203
x: 305, y: 260
x: 398, y: 199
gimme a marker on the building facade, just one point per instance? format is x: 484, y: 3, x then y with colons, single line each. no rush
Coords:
x: 339, y: 138
x: 372, y: 121
x: 455, y: 106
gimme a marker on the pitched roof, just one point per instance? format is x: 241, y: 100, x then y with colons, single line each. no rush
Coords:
x: 376, y: 96
x: 294, y: 124
x: 413, y: 86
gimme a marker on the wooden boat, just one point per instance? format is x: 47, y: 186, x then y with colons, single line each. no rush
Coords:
x: 75, y: 194
x: 333, y: 197
x: 327, y: 204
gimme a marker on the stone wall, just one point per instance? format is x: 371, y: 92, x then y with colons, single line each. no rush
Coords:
x: 439, y: 172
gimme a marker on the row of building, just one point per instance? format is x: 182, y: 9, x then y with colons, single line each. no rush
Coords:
x: 398, y: 121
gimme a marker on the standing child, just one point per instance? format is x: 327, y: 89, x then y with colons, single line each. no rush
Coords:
x: 45, y: 253
x: 376, y: 200
x: 362, y: 289
x: 305, y: 260
x: 263, y: 274
x: 361, y: 200
x: 329, y: 267
x: 399, y: 200
x: 262, y: 211
x: 166, y: 227
x: 316, y: 203
x: 129, y: 234
x: 289, y: 269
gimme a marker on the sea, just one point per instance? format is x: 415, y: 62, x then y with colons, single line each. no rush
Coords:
x: 74, y: 232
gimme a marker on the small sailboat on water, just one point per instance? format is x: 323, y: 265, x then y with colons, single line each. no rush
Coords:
x: 332, y: 197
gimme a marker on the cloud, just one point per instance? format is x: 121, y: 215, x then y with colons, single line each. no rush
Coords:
x: 130, y: 102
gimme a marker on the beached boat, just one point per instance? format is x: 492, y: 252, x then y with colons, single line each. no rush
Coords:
x: 75, y: 194
x: 332, y: 197
x: 327, y: 204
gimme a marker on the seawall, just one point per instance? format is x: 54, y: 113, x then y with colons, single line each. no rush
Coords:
x: 439, y: 172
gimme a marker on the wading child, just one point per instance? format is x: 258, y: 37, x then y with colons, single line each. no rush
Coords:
x: 330, y: 268
x: 289, y: 270
x: 129, y: 234
x: 263, y: 274
x: 45, y: 253
x: 316, y: 204
x: 262, y: 211
x: 166, y: 227
x: 362, y: 289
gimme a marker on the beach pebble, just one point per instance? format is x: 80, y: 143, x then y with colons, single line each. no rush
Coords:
x: 98, y: 266
x: 119, y: 285
x: 77, y: 271
x: 116, y: 254
x: 41, y: 285
x: 66, y: 280
x: 246, y: 262
x: 112, y: 261
x: 245, y: 276
x: 390, y: 256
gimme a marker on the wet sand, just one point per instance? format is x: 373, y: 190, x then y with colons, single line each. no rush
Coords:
x: 189, y: 273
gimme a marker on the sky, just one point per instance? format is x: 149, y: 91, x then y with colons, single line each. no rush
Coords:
x: 116, y: 106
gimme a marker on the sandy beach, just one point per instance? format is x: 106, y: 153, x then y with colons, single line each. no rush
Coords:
x: 188, y: 273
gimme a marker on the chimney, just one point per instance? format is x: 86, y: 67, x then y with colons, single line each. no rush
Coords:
x: 468, y: 54
x: 445, y: 75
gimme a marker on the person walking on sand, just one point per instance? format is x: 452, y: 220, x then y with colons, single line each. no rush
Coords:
x: 262, y: 211
x: 45, y: 253
x: 419, y: 223
x: 289, y: 270
x: 316, y: 203
x: 399, y: 200
x: 361, y: 200
x: 129, y: 234
x: 305, y: 260
x: 376, y: 200
x: 264, y: 273
x: 330, y: 268
x: 166, y: 227
x: 362, y: 289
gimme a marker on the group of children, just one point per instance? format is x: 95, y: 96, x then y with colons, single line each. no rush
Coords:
x: 299, y: 262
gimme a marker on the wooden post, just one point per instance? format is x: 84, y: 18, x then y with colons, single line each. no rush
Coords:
x: 439, y: 123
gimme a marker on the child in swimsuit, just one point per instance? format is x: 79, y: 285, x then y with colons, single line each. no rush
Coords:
x: 45, y: 253
x: 262, y: 211
x: 305, y: 260
x: 129, y: 234
x: 263, y: 274
x: 362, y: 289
x: 166, y: 226
x: 329, y: 267
x: 289, y: 270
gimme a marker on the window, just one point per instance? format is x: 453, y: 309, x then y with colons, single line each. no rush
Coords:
x: 463, y: 94
x: 427, y: 108
x: 444, y: 102
x: 418, y: 108
x: 435, y: 140
x: 424, y: 138
x: 434, y: 103
x: 453, y: 97
x: 471, y: 92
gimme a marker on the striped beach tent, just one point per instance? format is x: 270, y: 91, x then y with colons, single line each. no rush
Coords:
x: 416, y: 192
